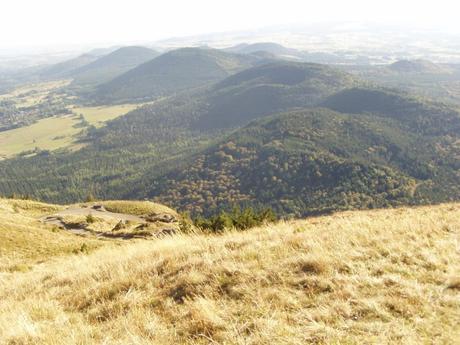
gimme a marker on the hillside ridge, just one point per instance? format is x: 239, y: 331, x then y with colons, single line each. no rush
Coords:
x: 171, y: 72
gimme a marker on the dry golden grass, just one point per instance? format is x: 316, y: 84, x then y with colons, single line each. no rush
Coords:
x: 377, y: 277
x: 26, y: 208
x: 25, y: 241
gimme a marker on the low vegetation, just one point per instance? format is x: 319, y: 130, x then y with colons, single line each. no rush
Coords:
x: 25, y: 241
x: 237, y: 218
x: 386, y: 276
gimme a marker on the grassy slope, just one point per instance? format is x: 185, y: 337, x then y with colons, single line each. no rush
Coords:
x: 24, y: 241
x: 386, y: 276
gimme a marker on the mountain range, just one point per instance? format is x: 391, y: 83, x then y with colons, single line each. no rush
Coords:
x: 243, y: 129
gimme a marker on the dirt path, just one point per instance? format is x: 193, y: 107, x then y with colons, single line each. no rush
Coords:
x: 99, y: 212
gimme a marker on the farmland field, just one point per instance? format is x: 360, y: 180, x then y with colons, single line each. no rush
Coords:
x: 57, y: 132
x: 47, y: 134
x: 98, y: 115
x: 33, y: 94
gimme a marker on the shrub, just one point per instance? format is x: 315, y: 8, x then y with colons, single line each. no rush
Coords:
x: 90, y: 219
x: 90, y: 197
x: 237, y: 218
x: 83, y: 249
x: 185, y: 223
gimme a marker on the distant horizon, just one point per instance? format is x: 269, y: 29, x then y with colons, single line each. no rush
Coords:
x: 49, y: 24
x: 165, y: 42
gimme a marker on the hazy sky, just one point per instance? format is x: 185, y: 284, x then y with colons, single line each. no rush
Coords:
x: 73, y: 22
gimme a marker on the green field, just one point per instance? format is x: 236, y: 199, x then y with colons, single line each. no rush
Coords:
x: 98, y: 115
x: 48, y: 134
x: 58, y: 131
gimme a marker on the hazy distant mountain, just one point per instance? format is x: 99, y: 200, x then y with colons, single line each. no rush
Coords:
x: 112, y: 65
x: 416, y: 66
x: 269, y: 47
x: 264, y: 56
x: 64, y: 69
x: 171, y: 72
x: 433, y: 80
x: 374, y: 42
x: 103, y: 51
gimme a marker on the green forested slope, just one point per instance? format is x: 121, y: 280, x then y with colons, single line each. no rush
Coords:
x: 171, y: 72
x: 366, y: 147
x: 111, y: 65
x: 313, y: 161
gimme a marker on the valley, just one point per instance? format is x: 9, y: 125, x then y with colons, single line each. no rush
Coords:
x: 300, y: 138
x: 24, y: 105
x: 43, y: 129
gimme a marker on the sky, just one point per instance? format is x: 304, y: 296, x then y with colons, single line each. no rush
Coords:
x: 37, y: 23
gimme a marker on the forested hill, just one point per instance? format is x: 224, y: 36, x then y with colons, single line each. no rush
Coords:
x: 238, y: 99
x: 268, y: 89
x: 414, y: 113
x: 416, y: 66
x: 171, y: 72
x: 365, y: 147
x: 315, y: 161
x: 111, y: 65
x: 66, y: 68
